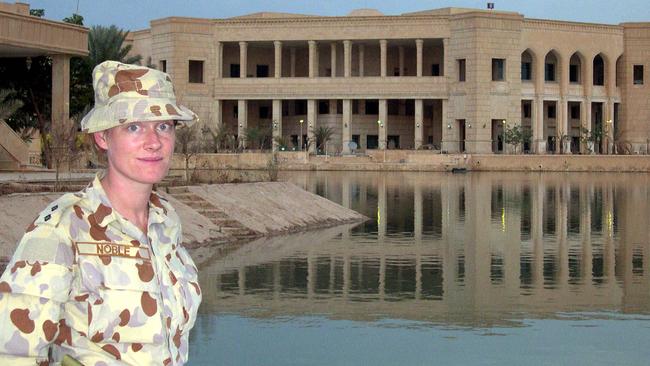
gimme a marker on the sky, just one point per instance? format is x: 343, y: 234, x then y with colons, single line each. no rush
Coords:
x: 136, y: 14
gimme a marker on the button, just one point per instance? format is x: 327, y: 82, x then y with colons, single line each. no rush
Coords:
x: 47, y: 217
x: 55, y: 207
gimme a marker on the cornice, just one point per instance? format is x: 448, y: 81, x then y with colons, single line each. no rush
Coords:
x: 37, y: 20
x: 544, y: 24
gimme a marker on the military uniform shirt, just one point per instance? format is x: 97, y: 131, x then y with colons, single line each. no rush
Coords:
x: 84, y: 281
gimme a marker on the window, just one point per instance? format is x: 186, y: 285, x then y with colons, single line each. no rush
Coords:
x: 372, y: 142
x: 461, y: 69
x: 549, y: 72
x: 301, y: 107
x: 339, y: 106
x: 599, y: 71
x: 396, y: 71
x: 285, y: 107
x: 323, y: 107
x: 526, y: 71
x: 196, y: 71
x: 638, y: 74
x: 235, y: 111
x: 498, y: 69
x: 163, y: 65
x: 234, y: 70
x: 264, y: 112
x: 356, y: 139
x: 550, y: 111
x: 575, y: 111
x: 393, y: 107
x: 355, y: 106
x: 435, y: 70
x: 262, y: 71
x: 574, y: 73
x: 372, y: 107
x: 527, y: 110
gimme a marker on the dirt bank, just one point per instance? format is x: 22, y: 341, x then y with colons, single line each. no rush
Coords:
x: 211, y: 215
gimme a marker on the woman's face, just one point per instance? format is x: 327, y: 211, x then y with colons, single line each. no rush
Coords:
x: 139, y: 152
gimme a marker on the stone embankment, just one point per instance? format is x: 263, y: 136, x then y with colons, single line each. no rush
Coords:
x: 420, y: 161
x: 211, y: 215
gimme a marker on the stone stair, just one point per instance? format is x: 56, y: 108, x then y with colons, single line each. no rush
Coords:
x: 225, y: 224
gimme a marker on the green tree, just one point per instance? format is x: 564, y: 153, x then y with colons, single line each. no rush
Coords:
x: 37, y: 12
x: 8, y: 105
x: 323, y: 134
x: 74, y: 19
x: 107, y: 43
x: 517, y: 135
x: 256, y: 137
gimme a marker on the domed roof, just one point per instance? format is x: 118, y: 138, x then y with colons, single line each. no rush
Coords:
x: 365, y: 13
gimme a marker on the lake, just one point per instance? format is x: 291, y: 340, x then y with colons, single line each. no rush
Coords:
x: 450, y: 269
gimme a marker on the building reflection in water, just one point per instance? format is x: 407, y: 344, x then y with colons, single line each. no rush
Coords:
x: 460, y: 249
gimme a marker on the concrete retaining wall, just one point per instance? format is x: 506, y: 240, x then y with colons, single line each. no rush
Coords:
x: 409, y: 160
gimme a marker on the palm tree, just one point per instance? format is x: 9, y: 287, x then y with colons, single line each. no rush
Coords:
x: 322, y: 134
x: 107, y: 43
x: 8, y: 106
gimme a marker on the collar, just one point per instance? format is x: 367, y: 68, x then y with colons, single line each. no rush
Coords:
x: 103, y: 212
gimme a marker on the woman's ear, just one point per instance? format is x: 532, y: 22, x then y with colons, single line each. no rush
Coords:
x: 100, y: 140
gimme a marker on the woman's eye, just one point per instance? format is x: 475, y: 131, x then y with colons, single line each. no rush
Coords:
x: 165, y: 127
x: 132, y: 128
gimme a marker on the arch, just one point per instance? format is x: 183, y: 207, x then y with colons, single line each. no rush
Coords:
x: 598, y: 69
x: 527, y: 65
x: 619, y: 71
x: 576, y: 68
x: 551, y: 66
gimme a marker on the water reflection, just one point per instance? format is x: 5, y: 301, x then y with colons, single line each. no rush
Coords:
x: 468, y: 250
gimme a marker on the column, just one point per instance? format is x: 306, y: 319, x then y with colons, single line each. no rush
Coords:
x: 361, y: 59
x: 383, y: 44
x: 586, y: 121
x: 242, y: 121
x: 243, y: 59
x: 383, y: 124
x: 333, y: 59
x: 347, y: 122
x: 401, y: 60
x: 277, y: 46
x: 419, y: 128
x: 609, y: 126
x: 537, y: 107
x: 418, y: 49
x: 219, y: 60
x: 539, y: 139
x: 313, y: 68
x: 60, y: 91
x: 292, y: 53
x: 311, y: 274
x: 277, y: 122
x: 347, y: 59
x: 611, y: 94
x: 311, y: 124
x: 217, y: 113
x: 563, y: 123
x: 449, y: 134
x: 586, y: 193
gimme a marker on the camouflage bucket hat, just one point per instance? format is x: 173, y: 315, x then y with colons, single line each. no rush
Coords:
x: 128, y: 93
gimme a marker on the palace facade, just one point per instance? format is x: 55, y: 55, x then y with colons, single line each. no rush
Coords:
x: 448, y: 79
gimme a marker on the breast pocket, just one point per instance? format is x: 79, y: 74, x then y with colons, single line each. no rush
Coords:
x: 124, y: 307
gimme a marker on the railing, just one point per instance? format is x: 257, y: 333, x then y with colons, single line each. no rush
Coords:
x: 326, y: 87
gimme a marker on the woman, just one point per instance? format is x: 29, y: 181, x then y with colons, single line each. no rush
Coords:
x: 100, y: 276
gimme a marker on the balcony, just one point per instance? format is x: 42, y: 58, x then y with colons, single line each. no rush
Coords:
x: 406, y: 87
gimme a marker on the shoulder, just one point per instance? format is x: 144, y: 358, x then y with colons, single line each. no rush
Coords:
x: 54, y: 212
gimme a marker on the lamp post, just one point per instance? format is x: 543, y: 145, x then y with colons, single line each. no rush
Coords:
x: 504, y: 137
x: 608, y: 128
x: 301, y: 144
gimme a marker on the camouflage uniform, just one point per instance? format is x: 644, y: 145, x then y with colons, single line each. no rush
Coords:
x: 86, y: 282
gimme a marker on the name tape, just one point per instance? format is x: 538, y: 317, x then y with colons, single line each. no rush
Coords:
x: 112, y: 249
